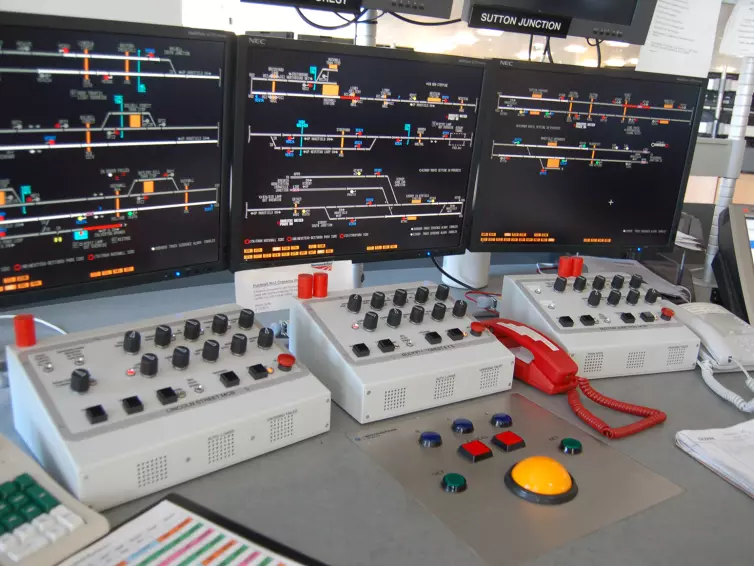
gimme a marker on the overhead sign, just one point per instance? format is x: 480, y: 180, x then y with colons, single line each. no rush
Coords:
x: 331, y: 5
x: 506, y: 19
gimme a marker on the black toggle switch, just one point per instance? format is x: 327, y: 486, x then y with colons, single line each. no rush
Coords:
x: 220, y: 324
x: 579, y: 284
x: 386, y: 346
x: 417, y: 315
x: 229, y: 379
x: 211, y: 351
x: 354, y: 303
x: 599, y: 282
x: 433, y: 338
x: 595, y: 297
x: 459, y: 308
x: 148, y: 365
x: 442, y: 292
x: 636, y: 281
x: 246, y: 319
x: 614, y: 297
x: 400, y: 297
x: 131, y: 342
x: 360, y: 350
x: 394, y: 318
x: 378, y: 300
x: 651, y: 296
x: 370, y: 321
x: 258, y: 371
x: 587, y: 320
x: 422, y: 294
x: 438, y: 311
x: 628, y: 318
x: 192, y: 329
x: 647, y: 317
x: 565, y: 321
x: 181, y: 357
x: 617, y: 282
x: 632, y: 297
x: 81, y: 380
x: 455, y: 334
x: 163, y: 335
x: 238, y: 344
x: 560, y: 284
x: 132, y: 405
x: 96, y: 414
x: 167, y: 395
x: 265, y: 339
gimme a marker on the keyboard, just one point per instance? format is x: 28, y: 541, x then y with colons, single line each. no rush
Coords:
x: 41, y: 524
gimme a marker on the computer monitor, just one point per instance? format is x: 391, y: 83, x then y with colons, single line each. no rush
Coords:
x: 577, y: 159
x: 346, y: 152
x: 113, y: 162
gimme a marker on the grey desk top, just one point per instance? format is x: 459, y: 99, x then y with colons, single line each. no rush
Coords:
x: 325, y: 497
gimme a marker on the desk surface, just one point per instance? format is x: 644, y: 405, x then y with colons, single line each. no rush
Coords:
x: 325, y: 497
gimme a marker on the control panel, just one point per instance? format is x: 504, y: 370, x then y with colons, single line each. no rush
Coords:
x: 509, y: 477
x: 612, y: 324
x: 120, y: 412
x: 388, y: 351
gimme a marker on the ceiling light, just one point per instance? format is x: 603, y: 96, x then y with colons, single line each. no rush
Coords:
x: 617, y: 44
x: 523, y: 55
x: 615, y: 62
x: 538, y: 46
x: 435, y: 46
x: 633, y: 61
x: 589, y: 62
x: 490, y: 32
x: 465, y: 38
x: 575, y: 48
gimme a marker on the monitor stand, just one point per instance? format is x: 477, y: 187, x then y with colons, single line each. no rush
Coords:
x: 472, y: 268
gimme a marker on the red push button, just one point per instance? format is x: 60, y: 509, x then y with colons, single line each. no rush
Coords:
x: 508, y: 441
x: 666, y: 313
x: 305, y: 285
x: 565, y: 267
x: 578, y: 266
x: 477, y: 328
x: 476, y: 451
x: 286, y: 361
x: 26, y: 333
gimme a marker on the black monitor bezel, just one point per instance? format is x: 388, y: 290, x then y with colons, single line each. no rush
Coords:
x: 18, y: 19
x: 245, y: 44
x: 484, y: 139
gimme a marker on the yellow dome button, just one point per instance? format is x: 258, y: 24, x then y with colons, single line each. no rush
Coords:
x: 542, y: 480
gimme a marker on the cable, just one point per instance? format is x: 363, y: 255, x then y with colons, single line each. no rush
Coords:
x: 446, y: 274
x: 709, y: 378
x: 490, y: 306
x: 597, y: 43
x: 417, y: 23
x: 531, y: 44
x: 356, y: 20
x: 542, y: 266
x: 548, y: 51
x: 37, y: 320
x: 749, y: 380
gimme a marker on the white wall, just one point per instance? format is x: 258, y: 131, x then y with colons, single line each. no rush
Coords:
x: 145, y: 11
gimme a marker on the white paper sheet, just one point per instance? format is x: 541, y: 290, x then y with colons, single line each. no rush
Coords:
x: 681, y: 38
x: 738, y: 39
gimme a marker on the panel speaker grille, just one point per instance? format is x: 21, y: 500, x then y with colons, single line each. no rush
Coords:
x: 281, y: 428
x: 394, y: 399
x: 152, y: 471
x: 221, y: 447
x: 676, y: 355
x: 593, y: 362
x: 489, y: 377
x: 444, y: 387
x: 635, y: 360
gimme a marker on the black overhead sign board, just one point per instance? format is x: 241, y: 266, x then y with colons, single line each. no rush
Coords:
x: 332, y: 5
x: 507, y: 19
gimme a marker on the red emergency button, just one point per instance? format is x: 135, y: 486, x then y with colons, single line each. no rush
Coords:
x: 26, y: 334
x: 477, y: 328
x: 286, y: 361
x: 508, y: 441
x: 666, y: 313
x: 476, y: 451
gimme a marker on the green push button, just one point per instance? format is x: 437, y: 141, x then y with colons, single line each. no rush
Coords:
x: 42, y: 499
x: 18, y: 500
x: 12, y: 522
x: 571, y: 446
x: 454, y: 483
x: 7, y: 489
x: 25, y: 481
x: 30, y: 512
x: 5, y: 508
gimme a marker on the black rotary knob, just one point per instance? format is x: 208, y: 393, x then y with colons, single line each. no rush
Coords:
x: 181, y: 357
x: 438, y: 311
x: 246, y: 319
x: 163, y: 335
x: 399, y: 298
x: 394, y: 318
x: 148, y: 365
x: 560, y: 284
x: 192, y: 329
x: 266, y: 338
x: 422, y: 294
x: 131, y: 342
x: 211, y: 351
x: 80, y: 380
x: 417, y: 315
x: 442, y: 292
x: 378, y: 300
x: 370, y: 321
x: 594, y: 298
x: 636, y: 281
x: 613, y: 298
x: 599, y: 282
x: 238, y: 344
x: 220, y: 324
x: 632, y: 297
x: 354, y: 303
x: 579, y: 284
x: 651, y: 296
x: 459, y: 309
x: 617, y: 282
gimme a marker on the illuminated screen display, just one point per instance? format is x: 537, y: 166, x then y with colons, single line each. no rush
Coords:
x: 579, y: 158
x: 350, y: 153
x: 111, y: 165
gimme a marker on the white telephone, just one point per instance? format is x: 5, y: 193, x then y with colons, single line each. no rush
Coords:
x: 727, y: 345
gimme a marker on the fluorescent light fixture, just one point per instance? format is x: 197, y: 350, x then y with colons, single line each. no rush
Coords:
x: 615, y: 62
x: 489, y: 32
x: 589, y: 62
x: 464, y: 38
x: 633, y: 61
x: 575, y: 48
x: 617, y: 44
x: 435, y: 45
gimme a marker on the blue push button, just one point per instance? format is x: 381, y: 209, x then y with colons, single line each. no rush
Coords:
x: 463, y: 426
x: 430, y: 439
x: 501, y: 420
